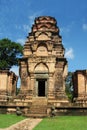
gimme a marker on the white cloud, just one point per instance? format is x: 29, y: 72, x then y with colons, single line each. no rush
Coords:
x: 84, y: 27
x: 15, y: 69
x: 21, y: 41
x: 69, y: 53
x: 26, y: 27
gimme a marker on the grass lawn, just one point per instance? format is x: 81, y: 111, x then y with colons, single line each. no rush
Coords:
x: 63, y: 123
x: 7, y: 120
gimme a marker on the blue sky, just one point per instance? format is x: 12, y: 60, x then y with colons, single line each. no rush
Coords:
x: 17, y: 16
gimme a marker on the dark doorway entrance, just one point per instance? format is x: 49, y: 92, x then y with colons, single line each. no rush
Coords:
x: 41, y: 88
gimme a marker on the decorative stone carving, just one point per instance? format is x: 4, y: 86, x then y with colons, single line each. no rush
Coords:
x: 41, y: 68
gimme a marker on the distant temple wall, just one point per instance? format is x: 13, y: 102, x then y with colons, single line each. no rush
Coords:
x: 80, y: 83
x: 8, y: 82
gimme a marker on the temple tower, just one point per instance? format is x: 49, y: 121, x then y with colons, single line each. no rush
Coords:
x: 43, y: 68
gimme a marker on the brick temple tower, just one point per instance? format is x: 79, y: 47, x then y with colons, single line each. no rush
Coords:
x: 43, y: 68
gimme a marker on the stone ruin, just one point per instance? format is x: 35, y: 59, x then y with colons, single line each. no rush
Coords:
x: 43, y: 71
x: 80, y: 86
x: 8, y: 83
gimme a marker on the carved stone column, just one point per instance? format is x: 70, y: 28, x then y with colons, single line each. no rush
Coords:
x: 32, y: 84
x: 24, y: 75
x: 51, y: 87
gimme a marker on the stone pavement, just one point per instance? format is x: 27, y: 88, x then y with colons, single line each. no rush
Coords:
x: 27, y: 124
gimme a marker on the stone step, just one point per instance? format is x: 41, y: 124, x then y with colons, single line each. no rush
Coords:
x: 38, y: 109
x: 38, y: 112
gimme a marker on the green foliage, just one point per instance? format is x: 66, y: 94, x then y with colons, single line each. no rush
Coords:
x: 69, y: 86
x: 7, y: 120
x: 9, y: 53
x: 17, y: 91
x: 63, y: 123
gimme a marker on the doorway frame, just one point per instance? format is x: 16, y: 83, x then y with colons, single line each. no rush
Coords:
x: 46, y: 87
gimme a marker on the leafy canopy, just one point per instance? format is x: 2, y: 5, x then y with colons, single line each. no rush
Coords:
x: 9, y: 53
x: 69, y: 86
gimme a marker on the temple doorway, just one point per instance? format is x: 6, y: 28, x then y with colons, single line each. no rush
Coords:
x: 42, y: 87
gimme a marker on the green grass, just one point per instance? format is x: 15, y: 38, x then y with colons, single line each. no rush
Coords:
x: 63, y: 123
x: 7, y: 120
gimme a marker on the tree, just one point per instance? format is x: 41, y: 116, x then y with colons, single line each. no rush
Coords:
x: 69, y: 86
x: 9, y: 53
x: 17, y: 91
